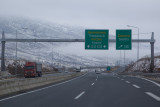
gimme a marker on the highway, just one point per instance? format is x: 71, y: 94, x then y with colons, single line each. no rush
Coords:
x: 91, y: 90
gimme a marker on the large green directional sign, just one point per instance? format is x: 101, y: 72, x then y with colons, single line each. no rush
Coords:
x: 123, y: 39
x: 96, y: 39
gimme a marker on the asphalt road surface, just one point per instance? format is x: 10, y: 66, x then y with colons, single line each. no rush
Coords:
x: 91, y: 90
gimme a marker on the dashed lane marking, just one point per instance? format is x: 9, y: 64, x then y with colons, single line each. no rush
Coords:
x: 128, y: 82
x: 78, y: 96
x: 92, y: 84
x: 136, y: 86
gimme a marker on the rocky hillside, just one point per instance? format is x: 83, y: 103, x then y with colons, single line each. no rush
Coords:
x: 144, y: 65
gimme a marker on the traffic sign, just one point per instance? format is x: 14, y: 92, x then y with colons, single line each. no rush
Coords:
x: 123, y: 39
x: 96, y: 39
x: 108, y: 68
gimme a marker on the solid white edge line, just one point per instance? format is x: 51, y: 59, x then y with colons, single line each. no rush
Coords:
x: 41, y: 88
x: 153, y: 96
x: 149, y: 81
x: 157, y: 84
x: 78, y: 96
x: 136, y: 86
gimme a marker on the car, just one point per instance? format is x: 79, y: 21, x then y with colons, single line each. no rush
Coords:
x: 66, y: 71
x: 97, y: 72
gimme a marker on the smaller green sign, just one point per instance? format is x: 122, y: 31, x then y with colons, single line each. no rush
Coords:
x: 123, y: 39
x: 108, y: 68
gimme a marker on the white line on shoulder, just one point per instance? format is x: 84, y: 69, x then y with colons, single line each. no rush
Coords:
x: 153, y: 96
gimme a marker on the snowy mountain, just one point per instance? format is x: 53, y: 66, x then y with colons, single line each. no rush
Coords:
x: 44, y: 52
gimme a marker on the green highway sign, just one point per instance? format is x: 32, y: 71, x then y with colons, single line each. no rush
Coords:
x: 123, y: 39
x: 108, y: 68
x: 96, y: 39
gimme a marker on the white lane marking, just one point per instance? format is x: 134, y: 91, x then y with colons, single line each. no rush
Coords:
x: 78, y: 96
x: 97, y: 76
x: 96, y: 79
x: 122, y: 79
x: 149, y: 81
x: 153, y: 96
x: 41, y: 88
x: 136, y: 86
x: 128, y: 82
x: 92, y: 84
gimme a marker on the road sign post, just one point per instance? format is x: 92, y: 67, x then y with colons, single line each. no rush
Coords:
x: 96, y: 39
x: 123, y: 39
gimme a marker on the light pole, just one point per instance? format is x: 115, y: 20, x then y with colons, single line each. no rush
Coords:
x: 137, y: 45
x: 16, y: 47
x: 52, y: 56
x: 120, y: 59
x: 34, y: 34
x: 16, y: 54
x: 124, y: 59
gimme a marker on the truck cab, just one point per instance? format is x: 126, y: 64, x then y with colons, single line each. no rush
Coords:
x: 32, y: 69
x: 78, y: 69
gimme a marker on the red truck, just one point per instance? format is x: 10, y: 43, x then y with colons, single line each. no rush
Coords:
x: 32, y: 69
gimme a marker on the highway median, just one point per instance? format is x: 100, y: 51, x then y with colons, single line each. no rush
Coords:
x: 18, y: 85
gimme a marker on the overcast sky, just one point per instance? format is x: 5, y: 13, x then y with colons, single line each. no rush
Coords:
x: 93, y: 13
x: 96, y: 14
x: 109, y: 14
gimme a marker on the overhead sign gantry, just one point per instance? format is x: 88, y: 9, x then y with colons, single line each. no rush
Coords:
x: 4, y: 40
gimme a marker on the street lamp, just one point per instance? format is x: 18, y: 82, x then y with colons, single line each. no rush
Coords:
x: 16, y: 45
x: 137, y: 45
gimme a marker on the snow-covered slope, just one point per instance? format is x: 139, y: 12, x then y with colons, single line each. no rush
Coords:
x: 45, y: 52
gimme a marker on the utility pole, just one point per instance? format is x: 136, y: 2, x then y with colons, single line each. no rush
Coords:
x: 52, y: 55
x: 34, y: 33
x: 16, y: 54
x: 138, y: 50
x: 124, y: 58
x: 120, y: 58
x: 16, y: 49
x: 152, y: 53
x: 107, y: 60
x: 137, y: 45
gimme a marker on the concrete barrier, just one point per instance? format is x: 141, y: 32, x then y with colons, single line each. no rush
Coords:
x: 11, y: 86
